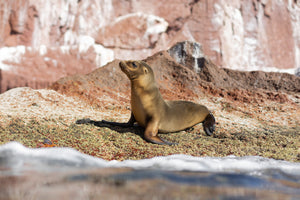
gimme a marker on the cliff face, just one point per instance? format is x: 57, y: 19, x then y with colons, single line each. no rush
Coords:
x: 244, y: 35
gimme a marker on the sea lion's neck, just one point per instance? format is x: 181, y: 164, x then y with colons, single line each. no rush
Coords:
x: 146, y: 94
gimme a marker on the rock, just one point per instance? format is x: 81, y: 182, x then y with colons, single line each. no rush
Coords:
x: 182, y: 81
x: 297, y: 72
x: 238, y: 34
x: 132, y: 31
x: 38, y: 68
x: 189, y: 54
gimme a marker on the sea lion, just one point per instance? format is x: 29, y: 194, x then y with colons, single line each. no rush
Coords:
x: 152, y: 112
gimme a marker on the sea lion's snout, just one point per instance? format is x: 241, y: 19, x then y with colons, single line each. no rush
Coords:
x: 209, y: 124
x: 122, y: 65
x: 127, y: 66
x: 124, y: 68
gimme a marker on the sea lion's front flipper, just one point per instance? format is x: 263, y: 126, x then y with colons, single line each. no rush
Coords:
x: 128, y: 124
x: 168, y: 142
x: 158, y: 140
x: 150, y: 134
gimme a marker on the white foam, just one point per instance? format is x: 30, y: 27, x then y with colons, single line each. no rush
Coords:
x: 68, y: 157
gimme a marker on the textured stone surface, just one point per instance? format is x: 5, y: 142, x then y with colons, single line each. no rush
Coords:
x: 183, y: 81
x: 189, y: 54
x: 132, y: 31
x: 38, y: 68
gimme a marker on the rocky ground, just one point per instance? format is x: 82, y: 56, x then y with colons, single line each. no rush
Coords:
x: 257, y: 113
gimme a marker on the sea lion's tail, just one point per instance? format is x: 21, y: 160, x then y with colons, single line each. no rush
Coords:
x: 209, y: 124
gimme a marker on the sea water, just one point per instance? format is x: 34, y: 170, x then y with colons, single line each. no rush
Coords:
x: 252, y: 172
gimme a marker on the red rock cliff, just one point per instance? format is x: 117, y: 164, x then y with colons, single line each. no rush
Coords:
x: 68, y: 37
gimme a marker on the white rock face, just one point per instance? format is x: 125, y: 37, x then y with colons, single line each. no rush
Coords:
x: 132, y: 31
x: 251, y: 41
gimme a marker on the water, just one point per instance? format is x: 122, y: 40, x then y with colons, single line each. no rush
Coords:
x: 251, y: 173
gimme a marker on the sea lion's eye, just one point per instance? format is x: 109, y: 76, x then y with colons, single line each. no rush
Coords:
x: 134, y: 65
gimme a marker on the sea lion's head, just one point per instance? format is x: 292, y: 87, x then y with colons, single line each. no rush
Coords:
x: 138, y: 72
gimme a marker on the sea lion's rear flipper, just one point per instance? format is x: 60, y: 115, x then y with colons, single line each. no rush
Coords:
x: 209, y: 124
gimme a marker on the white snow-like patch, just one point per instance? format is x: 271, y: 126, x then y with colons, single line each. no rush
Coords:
x: 11, y: 54
x: 103, y: 56
x: 83, y: 43
x: 21, y: 157
x: 155, y: 24
x: 43, y: 50
x: 70, y: 38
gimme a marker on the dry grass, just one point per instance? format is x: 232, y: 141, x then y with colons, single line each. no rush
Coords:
x: 31, y: 116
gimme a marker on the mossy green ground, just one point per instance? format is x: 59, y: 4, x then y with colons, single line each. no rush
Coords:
x: 116, y: 143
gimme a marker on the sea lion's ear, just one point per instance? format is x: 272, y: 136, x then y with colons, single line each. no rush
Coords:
x: 146, y: 70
